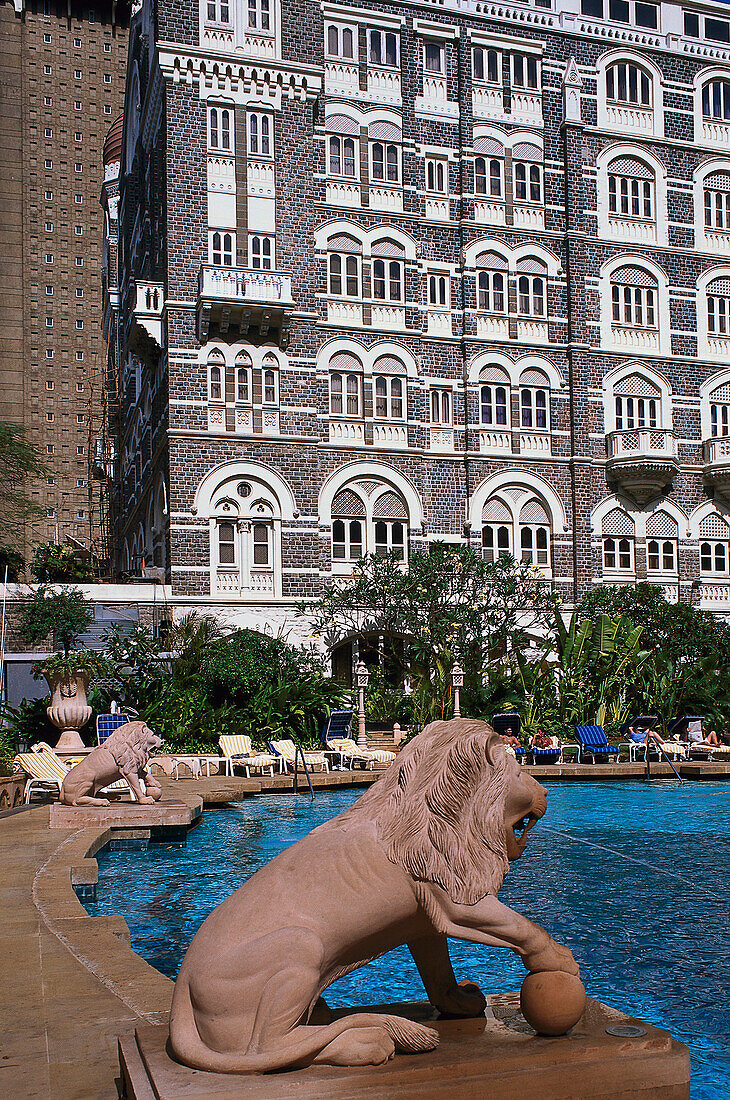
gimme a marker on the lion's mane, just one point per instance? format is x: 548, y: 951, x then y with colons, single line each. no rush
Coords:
x: 131, y: 745
x: 439, y: 809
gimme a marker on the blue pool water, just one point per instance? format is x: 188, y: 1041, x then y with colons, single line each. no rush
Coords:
x: 633, y: 877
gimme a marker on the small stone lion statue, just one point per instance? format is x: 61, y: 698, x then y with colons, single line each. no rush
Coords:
x: 123, y: 755
x: 418, y: 858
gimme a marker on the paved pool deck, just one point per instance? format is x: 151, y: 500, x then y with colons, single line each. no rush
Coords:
x: 72, y: 984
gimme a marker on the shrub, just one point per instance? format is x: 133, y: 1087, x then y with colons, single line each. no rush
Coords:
x: 64, y: 614
x: 54, y: 562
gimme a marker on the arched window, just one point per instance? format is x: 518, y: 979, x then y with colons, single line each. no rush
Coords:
x: 630, y: 189
x: 390, y: 525
x: 219, y: 119
x: 348, y: 523
x: 441, y: 407
x: 661, y: 543
x: 340, y: 42
x: 436, y: 175
x: 488, y: 173
x: 634, y: 293
x: 387, y: 280
x: 342, y: 161
x: 344, y: 267
x: 534, y: 400
x: 714, y: 545
x: 719, y: 400
x: 497, y: 525
x: 486, y: 66
x: 221, y: 253
x: 261, y: 252
x: 383, y: 48
x: 491, y: 283
x: 531, y: 287
x: 535, y: 534
x: 438, y: 290
x: 716, y: 200
x: 345, y: 386
x: 716, y: 100
x: 216, y: 372
x: 494, y: 397
x: 618, y: 542
x: 527, y: 168
x: 637, y: 403
x: 389, y: 388
x: 243, y: 378
x: 627, y: 83
x: 270, y: 380
x: 260, y: 128
x: 384, y: 161
x: 718, y: 307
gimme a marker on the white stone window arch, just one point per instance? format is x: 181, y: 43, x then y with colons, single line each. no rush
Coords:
x: 712, y: 206
x: 636, y: 396
x: 390, y: 392
x: 532, y: 287
x: 344, y: 266
x: 495, y: 399
x: 713, y: 533
x: 531, y: 503
x: 618, y: 532
x: 489, y: 176
x: 715, y: 406
x: 713, y: 313
x: 527, y: 183
x: 712, y: 107
x: 343, y: 146
x: 534, y: 401
x: 367, y: 516
x: 630, y: 94
x: 631, y: 196
x: 348, y: 526
x: 662, y: 543
x: 244, y: 504
x: 634, y: 306
x: 216, y: 376
x: 346, y: 386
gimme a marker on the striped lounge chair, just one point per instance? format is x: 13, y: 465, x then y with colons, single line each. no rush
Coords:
x: 353, y: 754
x: 236, y: 750
x: 593, y: 743
x: 47, y: 772
x: 286, y: 752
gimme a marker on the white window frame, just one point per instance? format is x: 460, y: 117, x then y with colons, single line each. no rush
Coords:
x: 434, y: 167
x: 636, y: 412
x: 438, y: 289
x: 345, y: 276
x: 531, y: 290
x: 494, y: 543
x: 340, y: 30
x: 490, y: 407
x: 489, y: 177
x: 262, y: 251
x: 389, y: 405
x: 441, y: 406
x: 488, y: 294
x: 532, y: 183
x: 641, y: 301
x: 486, y: 53
x: 525, y: 71
x: 619, y: 551
x: 218, y: 12
x: 217, y: 384
x: 440, y: 47
x: 534, y: 402
x: 378, y: 43
x: 221, y: 137
x: 388, y: 545
x: 338, y: 154
x: 531, y: 554
x: 347, y: 401
x: 393, y: 276
x: 714, y: 545
x: 259, y: 12
x: 661, y: 554
x: 389, y: 165
x: 260, y: 133
x: 222, y: 243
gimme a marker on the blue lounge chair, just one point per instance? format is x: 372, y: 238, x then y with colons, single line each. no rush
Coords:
x: 510, y: 720
x: 545, y: 756
x: 338, y: 725
x: 593, y: 743
x: 638, y: 749
x: 107, y: 723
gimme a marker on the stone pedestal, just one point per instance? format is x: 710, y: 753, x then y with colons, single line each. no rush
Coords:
x: 123, y: 815
x: 497, y: 1057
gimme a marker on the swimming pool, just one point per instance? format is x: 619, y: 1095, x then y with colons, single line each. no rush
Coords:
x: 633, y: 877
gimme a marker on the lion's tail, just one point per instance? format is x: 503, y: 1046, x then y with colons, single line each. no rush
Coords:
x: 189, y: 1048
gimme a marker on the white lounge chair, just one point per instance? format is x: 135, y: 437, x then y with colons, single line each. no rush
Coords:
x: 350, y: 751
x: 286, y: 751
x: 237, y: 751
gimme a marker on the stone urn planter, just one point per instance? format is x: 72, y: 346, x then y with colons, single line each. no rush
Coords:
x: 69, y: 709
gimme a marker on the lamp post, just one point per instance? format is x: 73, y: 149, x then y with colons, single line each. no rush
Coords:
x: 362, y: 676
x: 457, y: 682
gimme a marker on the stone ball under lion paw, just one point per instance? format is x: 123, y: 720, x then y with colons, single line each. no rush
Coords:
x: 552, y: 1001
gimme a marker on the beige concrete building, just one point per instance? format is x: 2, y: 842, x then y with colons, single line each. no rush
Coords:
x: 62, y: 72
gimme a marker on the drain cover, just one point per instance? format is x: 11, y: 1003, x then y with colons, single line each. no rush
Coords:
x: 626, y: 1031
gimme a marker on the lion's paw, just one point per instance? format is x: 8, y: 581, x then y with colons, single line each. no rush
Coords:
x: 361, y: 1046
x: 465, y: 999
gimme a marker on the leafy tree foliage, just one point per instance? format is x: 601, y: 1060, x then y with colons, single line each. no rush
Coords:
x: 64, y: 614
x: 19, y: 462
x: 53, y: 562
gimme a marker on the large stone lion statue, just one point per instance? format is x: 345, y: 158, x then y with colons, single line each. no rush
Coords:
x: 418, y: 858
x: 123, y: 755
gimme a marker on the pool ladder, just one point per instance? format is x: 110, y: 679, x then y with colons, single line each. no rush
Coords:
x: 661, y: 752
x: 297, y: 754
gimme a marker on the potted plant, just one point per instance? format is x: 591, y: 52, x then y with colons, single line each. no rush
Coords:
x: 63, y: 614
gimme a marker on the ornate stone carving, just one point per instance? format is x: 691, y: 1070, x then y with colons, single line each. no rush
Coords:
x: 124, y: 755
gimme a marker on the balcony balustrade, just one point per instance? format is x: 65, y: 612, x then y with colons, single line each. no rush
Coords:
x: 642, y: 460
x: 245, y: 298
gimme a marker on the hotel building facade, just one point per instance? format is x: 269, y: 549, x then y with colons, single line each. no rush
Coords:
x: 380, y: 274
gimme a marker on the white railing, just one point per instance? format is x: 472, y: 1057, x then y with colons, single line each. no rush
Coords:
x: 434, y: 88
x: 346, y: 431
x: 437, y: 209
x: 532, y: 332
x: 526, y: 107
x: 217, y: 37
x: 716, y: 132
x: 492, y: 439
x: 671, y: 592
x: 228, y: 581
x: 261, y: 581
x: 439, y: 322
x: 488, y: 213
x: 717, y: 240
x: 343, y: 194
x: 341, y: 77
x: 384, y: 84
x: 390, y: 435
x: 715, y: 597
x: 441, y: 439
x: 529, y: 217
x: 221, y: 174
x: 636, y: 339
x: 386, y: 198
x: 626, y: 117
x: 260, y: 178
x: 491, y: 327
x: 244, y: 284
x: 535, y: 443
x: 270, y: 421
x: 344, y: 313
x: 718, y: 346
x: 716, y: 451
x: 632, y: 229
x: 389, y: 317
x: 637, y: 443
x: 487, y: 101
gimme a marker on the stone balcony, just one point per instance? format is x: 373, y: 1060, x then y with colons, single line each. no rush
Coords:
x: 145, y: 318
x: 642, y: 460
x: 716, y: 464
x: 245, y: 298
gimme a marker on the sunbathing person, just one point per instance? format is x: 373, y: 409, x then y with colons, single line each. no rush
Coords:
x: 710, y: 741
x: 645, y: 736
x: 540, y: 740
x: 510, y: 739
